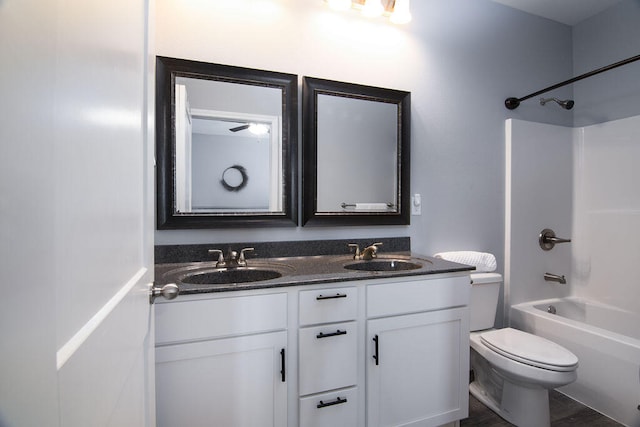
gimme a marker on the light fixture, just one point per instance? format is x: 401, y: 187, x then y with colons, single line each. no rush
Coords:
x: 372, y: 8
x: 258, y: 128
x: 339, y: 4
x: 401, y: 13
x: 396, y: 10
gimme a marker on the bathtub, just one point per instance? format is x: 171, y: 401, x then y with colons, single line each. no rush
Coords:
x: 606, y: 340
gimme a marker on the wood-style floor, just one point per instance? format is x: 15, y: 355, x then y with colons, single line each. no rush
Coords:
x: 564, y: 412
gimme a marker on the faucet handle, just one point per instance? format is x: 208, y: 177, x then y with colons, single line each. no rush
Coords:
x: 356, y: 255
x: 241, y: 259
x: 374, y: 246
x: 371, y: 251
x: 221, y: 262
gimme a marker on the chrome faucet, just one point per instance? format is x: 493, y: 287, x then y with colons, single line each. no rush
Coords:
x: 370, y: 251
x: 555, y: 278
x: 233, y: 260
x: 367, y: 253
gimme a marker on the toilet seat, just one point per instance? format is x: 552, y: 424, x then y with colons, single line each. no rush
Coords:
x: 529, y: 349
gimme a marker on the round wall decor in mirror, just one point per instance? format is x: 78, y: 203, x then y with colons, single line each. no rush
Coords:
x: 356, y: 142
x: 210, y: 116
x: 234, y: 178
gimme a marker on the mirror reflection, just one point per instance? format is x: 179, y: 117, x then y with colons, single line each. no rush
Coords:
x: 356, y: 154
x: 364, y: 133
x: 225, y: 145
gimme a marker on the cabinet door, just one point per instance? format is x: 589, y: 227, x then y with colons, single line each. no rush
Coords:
x: 417, y: 369
x: 236, y: 382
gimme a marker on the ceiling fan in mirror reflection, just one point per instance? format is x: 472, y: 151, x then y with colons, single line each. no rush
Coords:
x: 254, y: 128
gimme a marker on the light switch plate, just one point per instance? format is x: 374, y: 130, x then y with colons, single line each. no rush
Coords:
x: 416, y: 204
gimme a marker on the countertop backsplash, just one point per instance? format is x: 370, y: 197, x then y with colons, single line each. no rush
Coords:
x: 196, y: 253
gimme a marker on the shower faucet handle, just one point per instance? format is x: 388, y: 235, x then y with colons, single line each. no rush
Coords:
x: 547, y: 239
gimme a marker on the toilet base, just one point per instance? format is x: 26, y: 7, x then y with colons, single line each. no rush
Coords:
x: 520, y: 405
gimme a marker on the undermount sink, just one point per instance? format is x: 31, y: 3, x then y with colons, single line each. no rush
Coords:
x: 223, y: 276
x: 196, y: 274
x: 383, y: 265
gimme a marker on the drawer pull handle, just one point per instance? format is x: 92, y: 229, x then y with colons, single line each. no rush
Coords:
x: 331, y: 334
x: 338, y: 401
x: 376, y: 355
x: 321, y: 297
x: 282, y: 365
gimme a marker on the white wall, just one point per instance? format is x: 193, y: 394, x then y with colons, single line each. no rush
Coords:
x: 459, y: 58
x: 539, y: 195
x: 582, y: 183
x: 607, y: 214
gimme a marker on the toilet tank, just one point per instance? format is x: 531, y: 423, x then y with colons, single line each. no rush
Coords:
x: 485, y: 291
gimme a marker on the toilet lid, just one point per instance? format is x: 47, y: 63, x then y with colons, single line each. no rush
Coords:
x: 530, y: 349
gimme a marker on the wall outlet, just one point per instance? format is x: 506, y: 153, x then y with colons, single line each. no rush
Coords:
x: 416, y: 204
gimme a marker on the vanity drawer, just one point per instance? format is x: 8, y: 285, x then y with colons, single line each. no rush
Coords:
x: 220, y: 317
x: 335, y: 409
x: 328, y: 305
x: 419, y: 295
x: 328, y: 357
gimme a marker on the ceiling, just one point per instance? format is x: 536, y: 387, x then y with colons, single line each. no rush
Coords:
x: 568, y: 12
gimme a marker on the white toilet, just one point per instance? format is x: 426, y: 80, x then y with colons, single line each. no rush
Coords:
x: 512, y: 370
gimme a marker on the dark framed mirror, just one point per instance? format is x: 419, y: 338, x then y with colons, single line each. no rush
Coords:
x: 356, y: 159
x: 226, y: 146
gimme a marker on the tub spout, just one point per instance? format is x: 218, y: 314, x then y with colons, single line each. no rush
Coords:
x: 549, y: 277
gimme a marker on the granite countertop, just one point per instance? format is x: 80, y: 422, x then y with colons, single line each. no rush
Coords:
x: 304, y: 270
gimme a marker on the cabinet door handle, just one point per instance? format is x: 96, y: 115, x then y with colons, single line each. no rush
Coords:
x: 321, y: 297
x: 338, y: 401
x: 331, y: 334
x: 376, y: 355
x: 282, y: 365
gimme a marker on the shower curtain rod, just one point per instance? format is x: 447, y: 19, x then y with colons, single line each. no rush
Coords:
x: 512, y: 103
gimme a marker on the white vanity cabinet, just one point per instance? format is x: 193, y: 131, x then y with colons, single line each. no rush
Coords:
x: 417, y: 352
x: 305, y: 356
x: 222, y: 362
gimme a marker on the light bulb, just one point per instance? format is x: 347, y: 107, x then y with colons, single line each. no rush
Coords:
x: 258, y: 128
x: 339, y: 4
x: 401, y: 13
x: 372, y: 8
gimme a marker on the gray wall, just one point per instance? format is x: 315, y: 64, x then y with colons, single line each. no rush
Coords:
x: 604, y: 39
x: 213, y: 154
x: 356, y: 151
x: 459, y: 58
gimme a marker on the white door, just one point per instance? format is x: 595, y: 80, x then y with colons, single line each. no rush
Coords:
x: 76, y: 212
x: 419, y: 374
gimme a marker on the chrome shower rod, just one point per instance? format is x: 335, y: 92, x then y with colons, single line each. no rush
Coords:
x: 513, y: 103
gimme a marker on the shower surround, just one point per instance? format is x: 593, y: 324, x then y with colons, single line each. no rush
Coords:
x: 582, y: 183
